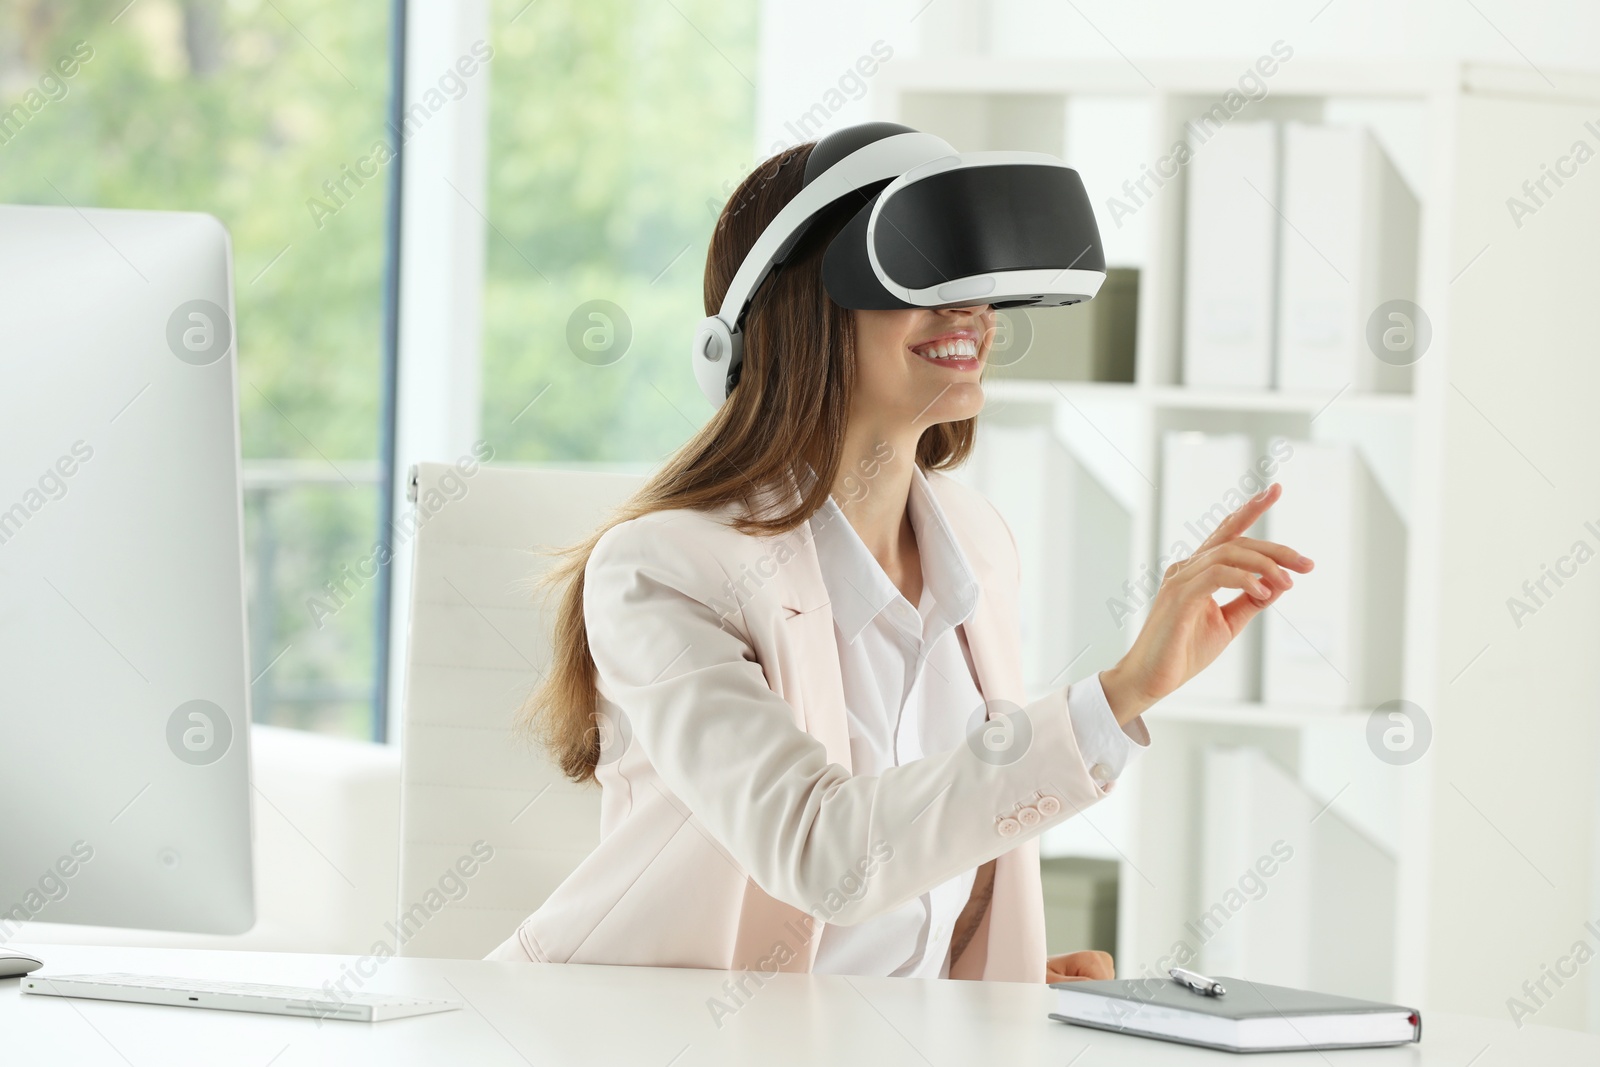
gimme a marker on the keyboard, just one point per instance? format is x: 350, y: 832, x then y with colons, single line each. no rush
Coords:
x: 235, y: 996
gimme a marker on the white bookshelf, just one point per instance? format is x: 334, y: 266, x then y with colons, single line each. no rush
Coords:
x: 1179, y: 398
x: 1448, y: 125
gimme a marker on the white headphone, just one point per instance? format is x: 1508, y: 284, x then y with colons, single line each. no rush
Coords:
x: 718, y: 349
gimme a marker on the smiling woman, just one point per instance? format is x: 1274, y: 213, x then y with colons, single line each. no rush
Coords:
x: 820, y: 675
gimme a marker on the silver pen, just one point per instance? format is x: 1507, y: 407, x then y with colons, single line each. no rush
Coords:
x: 1198, y: 982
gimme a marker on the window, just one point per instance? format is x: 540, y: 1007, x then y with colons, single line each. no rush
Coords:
x: 250, y: 110
x: 617, y: 130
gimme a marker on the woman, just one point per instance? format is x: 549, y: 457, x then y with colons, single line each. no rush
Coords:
x: 791, y: 664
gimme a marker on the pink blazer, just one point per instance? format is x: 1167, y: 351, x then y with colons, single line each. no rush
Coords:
x: 732, y: 829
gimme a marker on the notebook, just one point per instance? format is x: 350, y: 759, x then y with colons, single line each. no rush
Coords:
x: 1250, y: 1017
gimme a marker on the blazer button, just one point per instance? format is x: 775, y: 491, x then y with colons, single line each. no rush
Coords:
x: 1048, y: 806
x: 1009, y: 827
x: 1029, y: 816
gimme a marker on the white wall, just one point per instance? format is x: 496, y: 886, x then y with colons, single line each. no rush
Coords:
x: 1510, y: 865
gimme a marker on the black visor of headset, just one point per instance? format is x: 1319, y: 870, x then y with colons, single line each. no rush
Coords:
x: 938, y: 228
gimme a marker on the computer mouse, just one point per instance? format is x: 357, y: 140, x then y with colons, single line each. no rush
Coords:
x: 14, y: 964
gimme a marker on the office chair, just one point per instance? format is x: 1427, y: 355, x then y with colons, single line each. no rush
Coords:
x: 479, y: 640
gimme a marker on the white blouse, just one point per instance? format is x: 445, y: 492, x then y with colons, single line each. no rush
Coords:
x: 910, y: 690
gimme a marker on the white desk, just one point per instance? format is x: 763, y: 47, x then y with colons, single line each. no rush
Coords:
x: 532, y: 1014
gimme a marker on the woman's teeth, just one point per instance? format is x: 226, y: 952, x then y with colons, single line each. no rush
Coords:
x: 957, y: 349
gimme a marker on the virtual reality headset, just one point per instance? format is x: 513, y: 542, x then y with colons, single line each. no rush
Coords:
x: 934, y: 228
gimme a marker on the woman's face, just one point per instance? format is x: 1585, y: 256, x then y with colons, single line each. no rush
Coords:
x: 918, y: 367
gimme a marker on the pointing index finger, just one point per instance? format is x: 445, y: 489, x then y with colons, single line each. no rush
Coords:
x: 1244, y: 517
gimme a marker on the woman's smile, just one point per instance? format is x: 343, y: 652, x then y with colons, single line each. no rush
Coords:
x: 956, y: 350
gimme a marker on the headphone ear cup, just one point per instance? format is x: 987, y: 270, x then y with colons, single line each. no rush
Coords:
x: 847, y: 273
x: 714, y: 354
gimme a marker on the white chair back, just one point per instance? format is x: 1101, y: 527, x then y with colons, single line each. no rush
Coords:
x: 488, y: 825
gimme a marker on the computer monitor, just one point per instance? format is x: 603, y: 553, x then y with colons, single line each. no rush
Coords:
x: 124, y: 687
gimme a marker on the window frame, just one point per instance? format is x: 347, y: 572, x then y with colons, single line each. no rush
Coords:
x: 433, y: 297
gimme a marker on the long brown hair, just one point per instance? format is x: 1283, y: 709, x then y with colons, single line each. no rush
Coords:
x: 788, y: 410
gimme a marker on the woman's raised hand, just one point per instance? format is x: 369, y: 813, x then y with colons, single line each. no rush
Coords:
x: 1186, y: 628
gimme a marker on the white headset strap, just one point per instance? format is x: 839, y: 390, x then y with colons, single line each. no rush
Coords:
x: 883, y: 159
